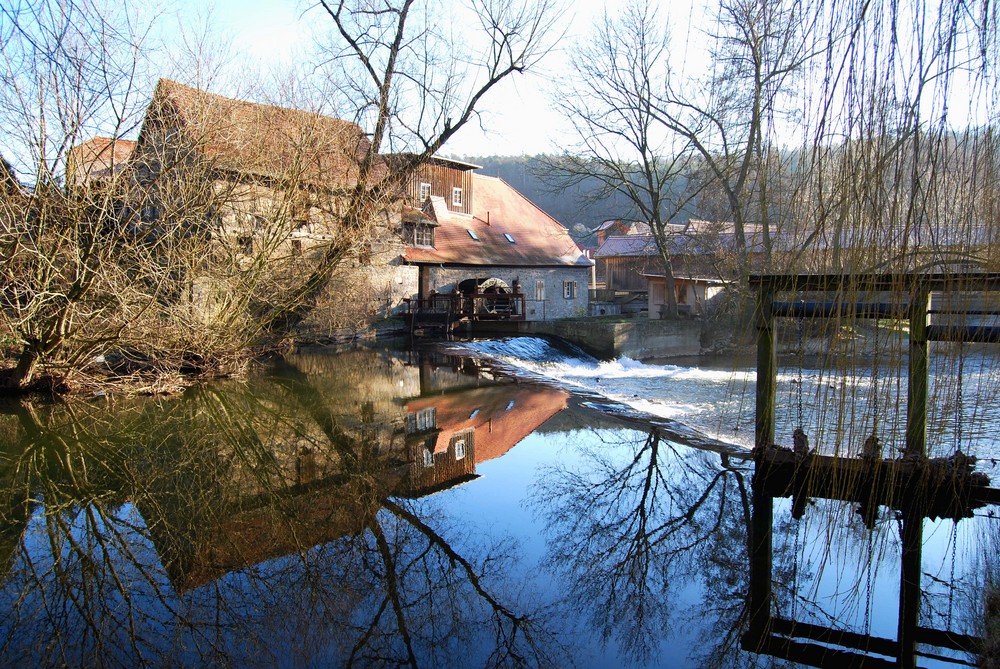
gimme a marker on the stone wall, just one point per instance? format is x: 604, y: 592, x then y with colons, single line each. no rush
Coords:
x: 641, y: 339
x: 552, y: 291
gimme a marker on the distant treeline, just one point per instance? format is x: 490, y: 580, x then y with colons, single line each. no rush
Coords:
x: 577, y: 207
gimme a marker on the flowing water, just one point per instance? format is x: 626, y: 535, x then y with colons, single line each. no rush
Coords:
x: 491, y: 503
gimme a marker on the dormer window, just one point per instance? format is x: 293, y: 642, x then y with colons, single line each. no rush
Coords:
x: 425, y: 191
x: 456, y: 197
x: 418, y: 234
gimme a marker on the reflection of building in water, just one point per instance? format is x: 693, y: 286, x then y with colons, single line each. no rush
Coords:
x: 319, y: 451
x: 467, y: 427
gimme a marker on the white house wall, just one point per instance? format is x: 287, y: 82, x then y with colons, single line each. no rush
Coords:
x: 553, y: 304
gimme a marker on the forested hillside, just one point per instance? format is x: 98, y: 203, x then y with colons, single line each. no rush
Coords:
x: 576, y: 206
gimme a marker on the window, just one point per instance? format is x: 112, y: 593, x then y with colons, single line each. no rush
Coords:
x: 510, y: 237
x: 428, y: 457
x: 245, y: 242
x: 539, y: 290
x: 459, y: 445
x: 569, y: 290
x: 425, y: 419
x: 425, y: 191
x: 472, y: 233
x: 418, y: 234
x: 456, y: 197
x: 296, y: 247
x: 423, y: 235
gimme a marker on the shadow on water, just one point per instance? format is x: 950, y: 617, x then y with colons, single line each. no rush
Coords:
x: 383, y: 509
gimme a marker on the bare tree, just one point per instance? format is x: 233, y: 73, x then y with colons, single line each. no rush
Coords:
x: 107, y: 257
x: 67, y: 68
x: 415, y: 84
x: 730, y: 119
x: 620, y: 75
x: 667, y: 142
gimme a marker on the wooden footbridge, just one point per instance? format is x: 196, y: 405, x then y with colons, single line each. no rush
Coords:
x: 915, y: 485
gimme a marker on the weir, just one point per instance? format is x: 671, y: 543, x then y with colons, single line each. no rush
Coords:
x: 916, y: 486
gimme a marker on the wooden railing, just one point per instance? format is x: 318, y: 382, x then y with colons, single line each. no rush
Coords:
x: 471, y: 306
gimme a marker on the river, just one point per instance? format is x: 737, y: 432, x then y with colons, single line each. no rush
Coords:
x: 477, y: 504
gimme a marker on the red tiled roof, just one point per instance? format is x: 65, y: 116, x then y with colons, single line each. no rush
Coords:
x: 501, y: 415
x: 261, y: 139
x: 498, y: 209
x: 98, y: 158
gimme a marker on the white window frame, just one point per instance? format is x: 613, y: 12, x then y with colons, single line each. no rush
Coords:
x: 423, y: 235
x: 425, y: 191
x: 456, y: 196
x: 569, y: 290
x: 421, y: 421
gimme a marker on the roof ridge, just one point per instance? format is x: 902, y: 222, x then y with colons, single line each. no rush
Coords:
x: 181, y: 87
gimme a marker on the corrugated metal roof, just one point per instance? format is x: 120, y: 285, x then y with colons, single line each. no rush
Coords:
x: 498, y: 209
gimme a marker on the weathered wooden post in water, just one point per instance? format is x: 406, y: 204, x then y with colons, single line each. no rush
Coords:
x: 916, y: 446
x: 762, y: 518
x: 915, y: 485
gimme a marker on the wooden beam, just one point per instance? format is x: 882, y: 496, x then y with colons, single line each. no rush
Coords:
x: 916, y: 389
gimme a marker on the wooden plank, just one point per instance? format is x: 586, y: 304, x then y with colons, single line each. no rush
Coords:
x: 847, y: 639
x: 966, y: 281
x: 814, y: 654
x: 982, y: 334
x: 840, y: 309
x: 935, y: 487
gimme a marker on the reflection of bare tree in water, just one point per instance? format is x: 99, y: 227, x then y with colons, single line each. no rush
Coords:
x: 643, y: 519
x: 188, y: 533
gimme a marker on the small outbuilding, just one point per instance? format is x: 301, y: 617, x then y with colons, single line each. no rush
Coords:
x: 693, y: 294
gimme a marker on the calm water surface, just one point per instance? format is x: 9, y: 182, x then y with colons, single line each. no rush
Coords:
x: 381, y: 508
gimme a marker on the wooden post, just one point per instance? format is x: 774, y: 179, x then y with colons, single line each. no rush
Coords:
x: 767, y: 367
x: 760, y: 542
x: 916, y: 443
x: 909, y: 588
x: 916, y: 395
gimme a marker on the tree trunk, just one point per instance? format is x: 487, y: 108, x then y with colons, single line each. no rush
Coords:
x: 20, y: 378
x: 670, y: 291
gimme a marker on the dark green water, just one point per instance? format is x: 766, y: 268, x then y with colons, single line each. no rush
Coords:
x: 379, y: 508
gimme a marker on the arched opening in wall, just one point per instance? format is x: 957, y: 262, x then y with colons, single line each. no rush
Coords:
x: 489, y: 297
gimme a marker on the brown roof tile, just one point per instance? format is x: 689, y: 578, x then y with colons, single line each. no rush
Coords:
x: 98, y: 158
x: 264, y: 140
x: 498, y: 210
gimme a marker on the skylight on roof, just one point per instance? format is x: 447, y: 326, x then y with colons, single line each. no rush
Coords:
x: 510, y: 237
x: 472, y: 233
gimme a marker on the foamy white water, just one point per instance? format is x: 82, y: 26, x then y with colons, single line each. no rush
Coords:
x: 716, y: 402
x: 838, y: 409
